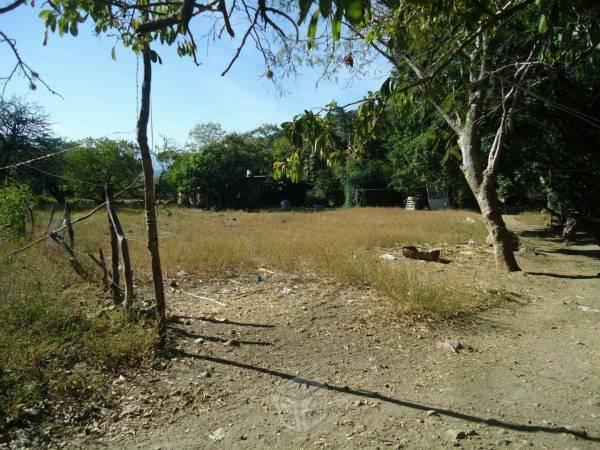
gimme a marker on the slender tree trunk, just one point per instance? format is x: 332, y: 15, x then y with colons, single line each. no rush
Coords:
x: 487, y: 199
x: 149, y: 195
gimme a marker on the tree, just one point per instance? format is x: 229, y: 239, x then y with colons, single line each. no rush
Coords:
x: 218, y: 172
x: 25, y: 139
x: 554, y: 154
x: 422, y: 152
x: 205, y: 134
x: 93, y: 163
x: 16, y: 201
x: 473, y: 62
x: 166, y: 155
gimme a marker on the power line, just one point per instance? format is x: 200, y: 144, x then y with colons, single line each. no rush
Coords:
x: 591, y: 120
x: 63, y: 177
x: 22, y: 163
x: 50, y: 155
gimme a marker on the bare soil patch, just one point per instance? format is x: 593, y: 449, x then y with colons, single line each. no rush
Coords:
x: 303, y: 362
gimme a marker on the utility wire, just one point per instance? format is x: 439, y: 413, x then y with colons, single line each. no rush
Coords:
x: 50, y: 155
x: 63, y: 177
x: 22, y: 163
x: 591, y: 120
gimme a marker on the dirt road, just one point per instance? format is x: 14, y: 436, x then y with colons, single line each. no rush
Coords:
x: 294, y: 363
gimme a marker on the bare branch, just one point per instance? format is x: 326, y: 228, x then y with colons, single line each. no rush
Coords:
x: 31, y: 75
x: 12, y: 6
x: 243, y: 43
x: 223, y: 9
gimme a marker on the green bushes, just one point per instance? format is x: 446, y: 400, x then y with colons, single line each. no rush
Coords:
x: 15, y: 202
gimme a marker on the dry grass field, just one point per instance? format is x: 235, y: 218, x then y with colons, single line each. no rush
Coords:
x: 350, y: 319
x: 342, y: 245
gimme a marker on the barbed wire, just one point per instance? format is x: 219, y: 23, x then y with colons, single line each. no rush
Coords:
x: 76, y: 180
x: 50, y: 155
x: 23, y: 163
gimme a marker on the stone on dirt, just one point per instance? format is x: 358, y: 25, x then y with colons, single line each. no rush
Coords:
x: 455, y: 345
x: 217, y: 435
x: 455, y: 435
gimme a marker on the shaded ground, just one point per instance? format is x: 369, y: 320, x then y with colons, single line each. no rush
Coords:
x: 528, y: 375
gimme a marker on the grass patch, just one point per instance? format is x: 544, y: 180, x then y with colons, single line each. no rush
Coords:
x: 341, y: 244
x: 55, y: 349
x: 535, y: 218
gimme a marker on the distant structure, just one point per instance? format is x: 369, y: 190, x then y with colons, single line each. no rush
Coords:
x: 437, y: 199
x: 428, y: 198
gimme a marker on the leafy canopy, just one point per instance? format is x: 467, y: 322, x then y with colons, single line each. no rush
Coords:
x: 96, y: 162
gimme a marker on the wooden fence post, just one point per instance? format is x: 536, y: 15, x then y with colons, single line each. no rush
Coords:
x: 67, y: 222
x: 50, y: 219
x: 114, y: 248
x: 124, y: 247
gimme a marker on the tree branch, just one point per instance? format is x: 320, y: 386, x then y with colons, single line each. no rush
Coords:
x: 31, y: 75
x: 243, y: 43
x: 12, y: 6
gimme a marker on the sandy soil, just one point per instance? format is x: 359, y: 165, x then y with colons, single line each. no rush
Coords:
x: 325, y: 365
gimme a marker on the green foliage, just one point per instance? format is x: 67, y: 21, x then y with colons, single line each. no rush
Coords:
x: 15, y: 202
x: 554, y: 154
x: 217, y: 172
x: 308, y: 135
x: 206, y: 133
x: 95, y: 162
x: 65, y: 16
x: 438, y: 49
x: 422, y: 150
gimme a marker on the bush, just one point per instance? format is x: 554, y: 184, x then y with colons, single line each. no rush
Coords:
x: 56, y: 349
x: 15, y: 202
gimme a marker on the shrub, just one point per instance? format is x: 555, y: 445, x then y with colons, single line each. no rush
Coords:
x: 57, y: 350
x: 15, y: 202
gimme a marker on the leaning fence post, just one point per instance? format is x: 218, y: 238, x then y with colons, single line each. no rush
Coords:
x: 114, y: 248
x: 67, y: 222
x: 124, y: 247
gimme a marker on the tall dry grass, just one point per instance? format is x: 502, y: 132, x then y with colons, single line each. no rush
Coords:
x: 537, y: 218
x: 343, y: 245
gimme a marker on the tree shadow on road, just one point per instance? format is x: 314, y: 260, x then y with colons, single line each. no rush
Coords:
x: 177, y: 318
x: 562, y: 275
x: 590, y: 253
x: 405, y: 403
x: 547, y: 234
x: 189, y: 334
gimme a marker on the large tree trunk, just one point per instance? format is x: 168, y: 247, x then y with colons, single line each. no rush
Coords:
x: 149, y: 195
x: 487, y: 199
x: 483, y: 187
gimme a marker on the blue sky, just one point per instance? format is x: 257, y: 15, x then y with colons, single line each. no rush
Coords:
x: 100, y: 94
